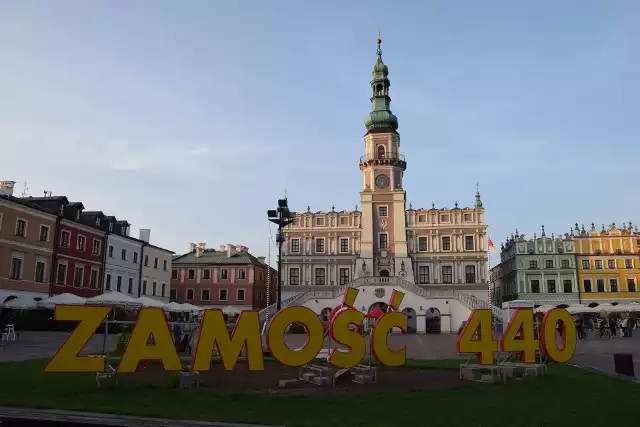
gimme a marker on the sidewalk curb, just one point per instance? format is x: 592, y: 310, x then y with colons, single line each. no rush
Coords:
x: 609, y: 374
x: 98, y: 419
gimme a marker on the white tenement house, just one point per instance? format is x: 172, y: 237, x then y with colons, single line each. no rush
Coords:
x: 437, y: 257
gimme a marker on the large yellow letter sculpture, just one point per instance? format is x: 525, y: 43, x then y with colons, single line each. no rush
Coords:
x: 341, y: 333
x: 246, y: 333
x: 66, y: 358
x: 279, y: 324
x: 151, y: 322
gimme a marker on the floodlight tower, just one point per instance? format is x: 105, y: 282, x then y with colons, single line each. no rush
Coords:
x: 281, y: 217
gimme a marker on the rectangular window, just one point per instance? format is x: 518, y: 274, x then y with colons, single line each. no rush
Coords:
x: 585, y: 264
x: 613, y: 284
x: 383, y: 242
x: 95, y: 247
x: 628, y: 263
x: 144, y: 287
x: 320, y: 276
x: 107, y: 283
x: 130, y: 287
x: 146, y: 260
x: 119, y: 284
x: 155, y: 262
x: 382, y: 211
x: 205, y: 295
x: 319, y: 245
x: 598, y: 264
x: 224, y: 273
x: 77, y: 277
x: 422, y: 244
x: 65, y: 237
x: 82, y: 243
x: 447, y: 274
x: 344, y: 276
x: 164, y: 265
x: 470, y: 274
x: 446, y: 243
x: 548, y: 263
x: 21, y: 228
x: 174, y: 273
x: 189, y: 295
x: 16, y: 268
x: 242, y: 274
x: 223, y: 295
x: 565, y: 263
x: 191, y: 274
x: 135, y: 257
x: 164, y: 289
x: 587, y: 285
x: 567, y: 286
x: 44, y: 233
x: 600, y: 285
x: 535, y: 286
x: 344, y: 245
x: 533, y: 264
x: 551, y: 286
x: 93, y: 280
x: 123, y: 255
x: 423, y: 274
x: 154, y: 288
x: 110, y: 251
x: 294, y: 276
x: 240, y: 295
x: 611, y: 263
x: 173, y: 294
x: 631, y: 285
x: 39, y: 277
x: 206, y: 274
x: 295, y: 245
x: 468, y: 243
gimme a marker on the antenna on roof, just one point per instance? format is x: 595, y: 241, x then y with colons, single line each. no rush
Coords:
x: 25, y: 189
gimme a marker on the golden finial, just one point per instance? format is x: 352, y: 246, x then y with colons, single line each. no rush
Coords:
x: 379, y: 41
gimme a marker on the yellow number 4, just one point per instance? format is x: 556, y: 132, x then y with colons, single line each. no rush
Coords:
x: 477, y: 337
x: 519, y: 336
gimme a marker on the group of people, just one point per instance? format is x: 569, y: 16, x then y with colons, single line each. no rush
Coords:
x: 607, y: 327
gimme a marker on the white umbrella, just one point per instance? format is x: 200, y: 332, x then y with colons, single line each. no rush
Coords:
x: 177, y: 308
x: 21, y: 303
x: 544, y: 308
x: 150, y: 302
x: 64, y: 299
x: 576, y: 309
x: 113, y: 298
x: 191, y: 307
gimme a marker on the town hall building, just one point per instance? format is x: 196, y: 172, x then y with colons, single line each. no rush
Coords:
x: 437, y: 256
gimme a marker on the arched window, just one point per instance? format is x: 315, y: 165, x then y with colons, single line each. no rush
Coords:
x: 380, y: 152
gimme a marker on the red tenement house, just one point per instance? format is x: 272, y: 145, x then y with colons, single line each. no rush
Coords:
x: 230, y: 278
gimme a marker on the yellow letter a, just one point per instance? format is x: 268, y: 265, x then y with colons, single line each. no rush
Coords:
x: 245, y: 333
x: 151, y: 321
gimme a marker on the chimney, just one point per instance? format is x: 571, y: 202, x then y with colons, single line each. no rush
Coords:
x: 223, y: 248
x: 192, y: 247
x: 145, y: 234
x: 261, y: 260
x: 231, y: 250
x: 6, y: 188
x: 202, y: 246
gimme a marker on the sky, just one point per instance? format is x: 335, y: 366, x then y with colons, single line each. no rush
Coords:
x: 191, y: 118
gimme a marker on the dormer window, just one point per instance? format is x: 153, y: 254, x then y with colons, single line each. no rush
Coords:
x: 77, y: 215
x: 97, y: 222
x: 123, y: 231
x: 110, y: 226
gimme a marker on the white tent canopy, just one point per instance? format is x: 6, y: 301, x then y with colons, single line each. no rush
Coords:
x: 191, y: 307
x: 150, y: 302
x: 64, y: 299
x: 114, y: 298
x: 178, y: 308
x: 21, y: 303
x: 544, y: 308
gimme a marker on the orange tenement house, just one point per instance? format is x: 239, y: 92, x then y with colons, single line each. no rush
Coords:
x: 608, y: 262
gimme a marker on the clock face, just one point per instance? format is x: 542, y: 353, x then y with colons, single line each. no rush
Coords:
x: 382, y: 180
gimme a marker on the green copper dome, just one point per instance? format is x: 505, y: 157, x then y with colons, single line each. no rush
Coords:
x: 380, y: 119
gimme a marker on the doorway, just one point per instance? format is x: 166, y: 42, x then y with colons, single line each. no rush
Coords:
x: 432, y: 321
x: 384, y: 273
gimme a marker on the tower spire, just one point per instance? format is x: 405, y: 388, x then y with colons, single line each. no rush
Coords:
x: 380, y: 119
x: 478, y: 202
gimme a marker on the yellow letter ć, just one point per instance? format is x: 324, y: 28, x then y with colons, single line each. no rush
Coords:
x: 564, y: 352
x: 379, y: 333
x: 151, y: 322
x: 341, y: 333
x: 279, y: 324
x: 519, y: 336
x: 246, y: 333
x: 477, y: 337
x: 66, y: 358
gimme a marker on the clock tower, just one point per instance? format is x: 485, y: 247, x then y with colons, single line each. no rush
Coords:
x: 384, y: 236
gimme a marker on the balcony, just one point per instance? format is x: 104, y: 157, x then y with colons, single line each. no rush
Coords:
x: 389, y: 159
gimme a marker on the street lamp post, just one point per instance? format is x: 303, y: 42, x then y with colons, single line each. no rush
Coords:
x: 281, y: 217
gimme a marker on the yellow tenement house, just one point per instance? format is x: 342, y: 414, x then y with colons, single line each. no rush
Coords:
x: 608, y: 262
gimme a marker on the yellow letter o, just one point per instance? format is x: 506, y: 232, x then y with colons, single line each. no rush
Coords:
x: 548, y: 335
x: 277, y: 328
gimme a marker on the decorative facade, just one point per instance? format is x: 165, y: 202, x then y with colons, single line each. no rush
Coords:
x: 608, y: 262
x: 156, y: 269
x: 229, y: 278
x: 541, y: 269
